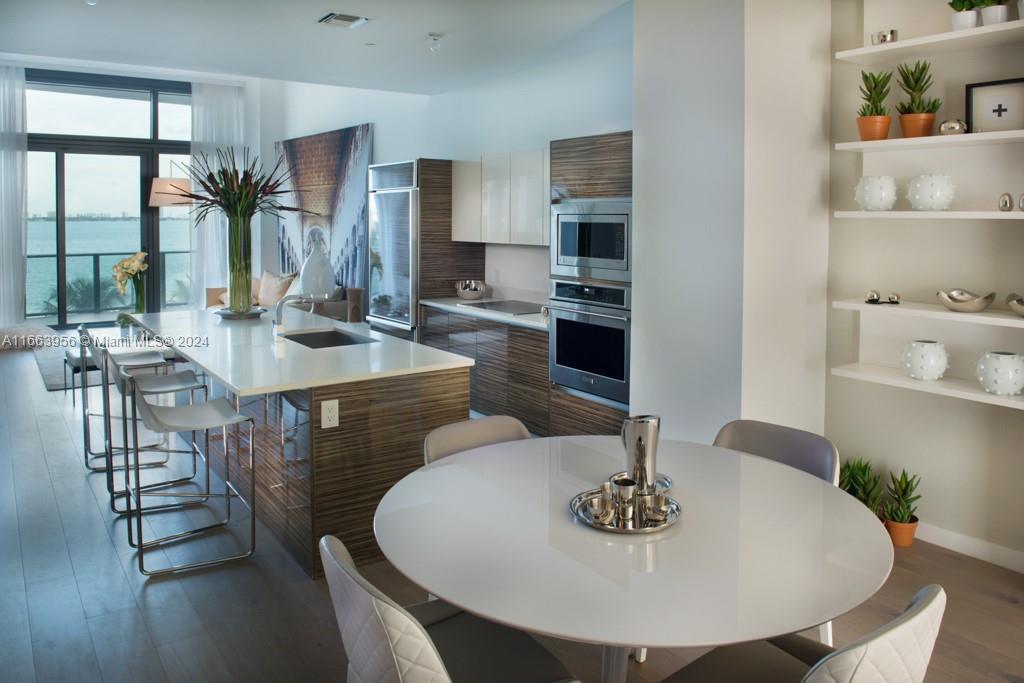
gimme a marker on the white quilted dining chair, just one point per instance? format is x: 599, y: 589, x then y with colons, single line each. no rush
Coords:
x: 432, y: 642
x: 898, y: 652
x: 462, y: 436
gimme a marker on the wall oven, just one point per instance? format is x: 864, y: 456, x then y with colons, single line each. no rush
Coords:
x: 591, y: 238
x: 588, y: 338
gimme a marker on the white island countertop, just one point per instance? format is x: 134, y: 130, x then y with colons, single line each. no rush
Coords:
x: 250, y: 359
x: 453, y: 304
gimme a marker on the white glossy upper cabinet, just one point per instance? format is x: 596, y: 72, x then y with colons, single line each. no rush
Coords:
x: 466, y: 205
x: 529, y: 198
x: 495, y: 198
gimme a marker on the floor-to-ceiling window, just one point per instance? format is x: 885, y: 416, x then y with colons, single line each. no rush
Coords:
x: 95, y: 144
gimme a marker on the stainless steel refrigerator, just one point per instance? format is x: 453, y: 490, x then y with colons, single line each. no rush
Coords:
x: 394, y: 233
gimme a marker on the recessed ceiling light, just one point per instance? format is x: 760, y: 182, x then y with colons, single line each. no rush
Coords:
x: 369, y: 44
x: 91, y: 3
x: 342, y: 20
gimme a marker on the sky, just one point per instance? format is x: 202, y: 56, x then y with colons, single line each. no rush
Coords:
x: 96, y: 183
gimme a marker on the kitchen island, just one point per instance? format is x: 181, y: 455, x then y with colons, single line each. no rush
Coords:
x: 313, y: 479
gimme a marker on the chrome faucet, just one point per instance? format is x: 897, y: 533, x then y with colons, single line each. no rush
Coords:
x: 298, y: 298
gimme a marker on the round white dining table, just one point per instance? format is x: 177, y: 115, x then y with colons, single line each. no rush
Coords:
x: 761, y: 549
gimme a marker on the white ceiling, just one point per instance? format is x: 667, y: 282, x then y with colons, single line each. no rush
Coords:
x: 281, y: 39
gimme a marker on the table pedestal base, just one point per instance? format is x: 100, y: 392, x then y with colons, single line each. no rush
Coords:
x: 614, y: 662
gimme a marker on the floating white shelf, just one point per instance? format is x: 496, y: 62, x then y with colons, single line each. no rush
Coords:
x: 923, y: 46
x: 968, y: 390
x: 1006, y: 137
x: 935, y: 215
x: 912, y: 309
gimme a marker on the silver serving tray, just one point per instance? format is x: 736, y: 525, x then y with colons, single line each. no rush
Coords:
x: 251, y: 314
x: 581, y: 511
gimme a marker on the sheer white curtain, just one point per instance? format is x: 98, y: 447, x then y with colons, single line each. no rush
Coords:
x: 218, y: 121
x: 13, y: 218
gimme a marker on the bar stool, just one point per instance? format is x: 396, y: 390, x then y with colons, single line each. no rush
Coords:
x: 169, y: 384
x: 91, y: 352
x: 214, y: 414
x: 75, y: 364
x: 298, y: 399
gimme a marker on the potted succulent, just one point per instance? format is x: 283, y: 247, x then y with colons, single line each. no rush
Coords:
x: 964, y: 14
x: 898, y: 511
x: 873, y: 118
x: 858, y: 478
x: 917, y: 114
x: 993, y: 11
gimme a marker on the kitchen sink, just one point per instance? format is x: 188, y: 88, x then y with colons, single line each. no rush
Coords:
x: 325, y: 339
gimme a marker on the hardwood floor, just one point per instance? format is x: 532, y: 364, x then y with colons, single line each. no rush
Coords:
x: 74, y: 607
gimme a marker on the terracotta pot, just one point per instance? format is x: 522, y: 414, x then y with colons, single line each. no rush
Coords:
x: 873, y: 127
x: 917, y: 125
x: 902, y: 535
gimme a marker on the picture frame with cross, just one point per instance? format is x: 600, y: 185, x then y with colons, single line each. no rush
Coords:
x: 995, y: 106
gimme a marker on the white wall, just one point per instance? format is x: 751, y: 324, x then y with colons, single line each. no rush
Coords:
x: 688, y: 213
x: 967, y: 454
x: 785, y: 262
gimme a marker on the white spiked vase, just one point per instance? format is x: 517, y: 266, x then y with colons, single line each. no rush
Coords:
x: 925, y: 359
x: 1001, y: 373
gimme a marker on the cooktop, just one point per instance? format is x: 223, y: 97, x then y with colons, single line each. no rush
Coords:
x: 511, y: 307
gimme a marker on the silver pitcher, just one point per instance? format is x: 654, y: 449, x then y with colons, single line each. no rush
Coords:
x: 640, y: 439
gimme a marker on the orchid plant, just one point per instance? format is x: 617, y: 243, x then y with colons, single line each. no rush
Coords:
x: 131, y: 269
x: 240, y: 190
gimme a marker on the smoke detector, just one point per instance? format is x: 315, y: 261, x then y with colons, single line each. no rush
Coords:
x: 342, y: 20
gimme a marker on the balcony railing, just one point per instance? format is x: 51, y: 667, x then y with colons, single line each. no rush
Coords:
x: 91, y: 289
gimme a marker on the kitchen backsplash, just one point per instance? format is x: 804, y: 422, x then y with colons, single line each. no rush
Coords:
x: 517, y: 272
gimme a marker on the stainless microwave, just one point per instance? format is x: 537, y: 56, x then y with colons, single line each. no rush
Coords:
x: 592, y: 239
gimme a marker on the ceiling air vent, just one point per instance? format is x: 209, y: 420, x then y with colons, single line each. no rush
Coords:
x: 342, y: 20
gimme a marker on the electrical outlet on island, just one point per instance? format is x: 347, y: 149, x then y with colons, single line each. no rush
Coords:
x: 329, y: 414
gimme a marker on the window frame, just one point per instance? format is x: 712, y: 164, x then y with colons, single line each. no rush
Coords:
x: 149, y: 149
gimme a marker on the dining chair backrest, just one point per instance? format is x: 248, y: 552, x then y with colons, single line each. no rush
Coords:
x: 383, y: 642
x: 805, y: 451
x: 462, y: 436
x: 898, y: 652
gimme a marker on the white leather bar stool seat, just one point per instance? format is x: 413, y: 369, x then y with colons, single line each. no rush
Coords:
x: 191, y: 418
x: 183, y: 380
x: 139, y: 359
x: 73, y: 357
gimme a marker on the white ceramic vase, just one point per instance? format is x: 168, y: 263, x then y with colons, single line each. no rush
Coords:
x: 966, y: 19
x: 875, y: 193
x: 931, y: 192
x: 1001, y: 373
x: 995, y: 14
x: 317, y: 276
x: 925, y: 359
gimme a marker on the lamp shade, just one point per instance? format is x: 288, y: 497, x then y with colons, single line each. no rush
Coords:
x: 167, y: 192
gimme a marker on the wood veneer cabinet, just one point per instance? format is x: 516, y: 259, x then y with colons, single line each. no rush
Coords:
x: 511, y: 375
x: 596, y: 166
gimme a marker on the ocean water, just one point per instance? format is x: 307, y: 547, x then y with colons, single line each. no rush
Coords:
x: 113, y: 239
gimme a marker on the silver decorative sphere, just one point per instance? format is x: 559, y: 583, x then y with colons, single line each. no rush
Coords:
x: 952, y: 127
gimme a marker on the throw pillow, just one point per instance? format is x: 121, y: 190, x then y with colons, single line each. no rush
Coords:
x: 273, y: 287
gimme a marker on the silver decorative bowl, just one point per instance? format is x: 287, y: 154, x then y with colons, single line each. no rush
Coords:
x: 1016, y: 303
x: 963, y: 301
x: 470, y: 289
